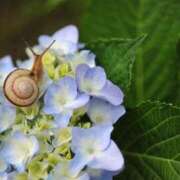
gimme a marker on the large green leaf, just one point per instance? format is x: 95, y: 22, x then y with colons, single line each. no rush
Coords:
x: 177, y: 96
x: 155, y: 68
x: 149, y: 138
x: 117, y: 57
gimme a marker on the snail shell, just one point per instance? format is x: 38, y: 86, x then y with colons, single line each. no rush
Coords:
x: 21, y: 85
x: 20, y: 88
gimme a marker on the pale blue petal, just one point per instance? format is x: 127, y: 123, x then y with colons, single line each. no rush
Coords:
x: 78, y: 163
x: 79, y: 102
x: 3, y: 99
x: 18, y: 149
x: 27, y: 64
x: 94, y: 80
x: 50, y: 106
x: 111, y: 159
x: 102, y: 112
x: 45, y: 40
x: 92, y: 139
x: 67, y: 88
x: 3, y: 176
x: 62, y: 120
x: 66, y: 40
x: 80, y: 72
x: 82, y: 57
x: 6, y: 63
x: 62, y: 171
x: 51, y: 109
x: 6, y: 66
x: 89, y: 57
x: 7, y: 117
x: 111, y: 93
x: 68, y: 47
x: 100, y: 174
x: 83, y: 176
x: 68, y: 33
x: 3, y: 165
x: 60, y: 94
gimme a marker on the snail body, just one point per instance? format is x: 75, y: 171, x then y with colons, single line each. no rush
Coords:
x: 21, y: 86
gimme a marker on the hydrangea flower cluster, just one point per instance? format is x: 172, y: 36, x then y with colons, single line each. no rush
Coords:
x: 66, y: 134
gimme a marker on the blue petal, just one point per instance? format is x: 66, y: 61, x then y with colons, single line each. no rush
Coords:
x: 79, y: 102
x: 111, y: 159
x: 100, y: 174
x: 82, y: 57
x: 62, y: 120
x: 80, y: 72
x: 95, y: 138
x: 6, y: 63
x: 83, y: 176
x: 7, y: 117
x: 89, y: 57
x: 60, y: 94
x: 50, y: 106
x: 94, y: 78
x: 27, y: 64
x: 3, y: 176
x: 18, y: 149
x: 6, y: 66
x: 111, y: 93
x: 78, y: 163
x: 68, y: 33
x: 102, y: 112
x: 45, y: 40
x: 67, y: 88
x: 66, y: 40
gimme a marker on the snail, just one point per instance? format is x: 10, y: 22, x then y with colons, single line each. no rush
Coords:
x: 21, y: 86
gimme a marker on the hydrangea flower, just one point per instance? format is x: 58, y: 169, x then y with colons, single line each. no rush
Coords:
x: 61, y: 98
x: 18, y: 149
x: 99, y: 174
x: 6, y: 66
x: 61, y: 171
x: 66, y: 133
x: 94, y: 148
x: 93, y: 82
x: 62, y: 136
x: 7, y: 113
x: 102, y: 112
x: 82, y: 57
x: 66, y: 40
x: 7, y: 118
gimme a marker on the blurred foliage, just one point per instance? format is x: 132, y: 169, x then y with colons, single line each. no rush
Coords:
x: 23, y: 19
x: 156, y: 67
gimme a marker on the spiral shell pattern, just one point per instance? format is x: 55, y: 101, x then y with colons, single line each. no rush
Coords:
x: 20, y: 88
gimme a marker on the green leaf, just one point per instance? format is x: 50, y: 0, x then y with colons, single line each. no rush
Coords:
x: 149, y: 138
x: 155, y: 70
x: 177, y: 96
x: 117, y: 57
